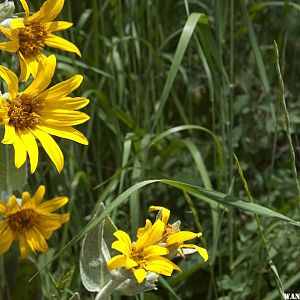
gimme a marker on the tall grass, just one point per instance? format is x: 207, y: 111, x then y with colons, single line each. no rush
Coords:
x: 177, y: 88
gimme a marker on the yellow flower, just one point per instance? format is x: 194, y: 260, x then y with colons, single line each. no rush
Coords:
x: 38, y: 113
x: 28, y: 36
x: 143, y: 255
x: 31, y: 221
x: 173, y: 237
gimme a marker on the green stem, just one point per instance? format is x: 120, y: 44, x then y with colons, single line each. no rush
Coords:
x: 288, y: 126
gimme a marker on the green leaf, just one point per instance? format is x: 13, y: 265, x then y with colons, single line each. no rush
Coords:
x: 218, y: 197
x: 184, y: 40
x: 93, y: 271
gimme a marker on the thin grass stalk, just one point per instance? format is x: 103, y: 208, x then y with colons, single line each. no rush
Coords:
x: 261, y: 232
x: 287, y: 126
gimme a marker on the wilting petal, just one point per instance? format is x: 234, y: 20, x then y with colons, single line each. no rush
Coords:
x: 201, y: 251
x: 165, y: 213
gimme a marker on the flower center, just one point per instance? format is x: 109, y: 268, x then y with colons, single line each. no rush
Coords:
x: 31, y: 38
x: 23, y: 112
x: 22, y: 220
x: 138, y: 256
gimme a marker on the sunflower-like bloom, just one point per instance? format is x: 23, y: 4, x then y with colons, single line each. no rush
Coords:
x: 173, y: 237
x: 144, y: 255
x: 28, y: 36
x: 30, y: 221
x: 38, y: 113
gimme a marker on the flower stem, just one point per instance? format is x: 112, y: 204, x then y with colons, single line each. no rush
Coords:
x: 108, y: 289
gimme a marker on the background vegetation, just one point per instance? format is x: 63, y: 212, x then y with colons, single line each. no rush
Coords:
x: 151, y: 66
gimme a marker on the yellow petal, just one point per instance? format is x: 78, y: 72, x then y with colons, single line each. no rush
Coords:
x: 181, y: 236
x: 69, y: 103
x: 202, y: 251
x: 123, y: 237
x: 26, y: 8
x: 36, y: 241
x: 121, y: 247
x: 155, y: 250
x: 31, y: 147
x: 61, y: 89
x: 55, y: 41
x: 57, y: 26
x: 39, y: 195
x: 165, y: 213
x: 11, y: 80
x: 10, y: 46
x: 162, y: 266
x: 116, y: 262
x: 17, y: 23
x: 47, y: 223
x: 155, y: 233
x: 143, y: 238
x: 3, y: 208
x: 48, y: 12
x: 6, y: 239
x: 63, y: 117
x: 20, y: 152
x: 140, y: 274
x: 23, y: 246
x: 52, y: 205
x: 13, y: 205
x: 130, y: 263
x: 50, y: 147
x: 25, y: 198
x: 10, y: 134
x: 11, y: 34
x: 65, y: 132
x: 61, y: 122
x: 25, y: 72
x: 33, y: 65
x: 43, y: 77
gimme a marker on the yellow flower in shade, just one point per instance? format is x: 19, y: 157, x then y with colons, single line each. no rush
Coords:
x: 30, y: 221
x: 28, y: 36
x: 144, y: 255
x: 173, y: 237
x: 38, y: 113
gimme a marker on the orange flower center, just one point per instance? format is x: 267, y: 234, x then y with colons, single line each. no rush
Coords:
x: 23, y: 112
x: 32, y: 38
x: 22, y: 220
